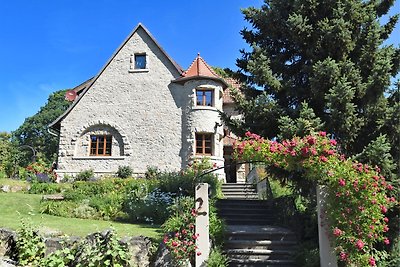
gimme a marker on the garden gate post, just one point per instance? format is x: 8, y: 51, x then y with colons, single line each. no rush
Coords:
x: 326, y: 252
x: 202, y: 224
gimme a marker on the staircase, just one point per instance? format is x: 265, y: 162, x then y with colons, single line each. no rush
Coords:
x: 252, y: 240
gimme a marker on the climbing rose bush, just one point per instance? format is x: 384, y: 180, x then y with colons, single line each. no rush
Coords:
x: 180, y: 238
x: 359, y: 196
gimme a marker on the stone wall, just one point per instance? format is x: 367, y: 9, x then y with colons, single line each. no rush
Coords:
x: 138, y: 247
x: 143, y: 107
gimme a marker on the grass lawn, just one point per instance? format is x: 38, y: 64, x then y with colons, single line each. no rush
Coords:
x: 16, y: 206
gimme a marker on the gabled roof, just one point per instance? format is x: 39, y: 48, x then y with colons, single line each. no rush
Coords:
x: 85, y: 86
x: 233, y: 84
x: 199, y: 69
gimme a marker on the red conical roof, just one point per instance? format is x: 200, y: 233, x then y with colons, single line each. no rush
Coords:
x: 199, y: 69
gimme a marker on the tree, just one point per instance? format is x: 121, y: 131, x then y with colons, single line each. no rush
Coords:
x: 329, y: 55
x: 33, y: 132
x: 323, y: 64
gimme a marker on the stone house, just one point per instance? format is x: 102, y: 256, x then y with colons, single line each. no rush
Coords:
x: 142, y: 109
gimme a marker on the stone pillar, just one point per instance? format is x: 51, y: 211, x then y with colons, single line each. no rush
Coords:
x: 326, y: 252
x: 202, y: 224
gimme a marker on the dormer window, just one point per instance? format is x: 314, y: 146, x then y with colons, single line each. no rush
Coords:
x: 140, y: 61
x: 204, y: 97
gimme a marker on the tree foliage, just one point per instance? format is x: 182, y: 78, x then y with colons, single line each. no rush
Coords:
x: 327, y: 57
x: 33, y: 132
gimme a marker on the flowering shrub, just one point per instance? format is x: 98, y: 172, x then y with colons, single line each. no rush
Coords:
x: 359, y: 197
x: 150, y: 208
x: 180, y: 228
x: 38, y: 171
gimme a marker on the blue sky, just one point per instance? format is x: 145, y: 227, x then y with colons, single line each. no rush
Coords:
x: 49, y: 45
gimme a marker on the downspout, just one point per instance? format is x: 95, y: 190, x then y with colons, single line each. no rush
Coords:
x: 52, y: 132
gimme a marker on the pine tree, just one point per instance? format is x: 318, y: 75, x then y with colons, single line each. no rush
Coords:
x: 329, y: 54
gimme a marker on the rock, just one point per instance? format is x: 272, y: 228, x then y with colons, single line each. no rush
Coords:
x: 163, y: 257
x: 5, y: 188
x: 6, y: 262
x: 138, y: 250
x: 7, y: 242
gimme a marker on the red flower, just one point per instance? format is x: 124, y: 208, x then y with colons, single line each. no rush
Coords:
x: 343, y: 256
x: 198, y: 253
x: 342, y: 182
x: 323, y: 158
x: 386, y: 241
x: 372, y: 261
x: 359, y: 244
x: 174, y: 243
x: 383, y: 209
x: 337, y: 232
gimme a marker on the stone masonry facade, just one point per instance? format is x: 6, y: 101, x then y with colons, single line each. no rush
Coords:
x: 150, y: 114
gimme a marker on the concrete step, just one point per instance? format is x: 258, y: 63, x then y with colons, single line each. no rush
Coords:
x: 253, y: 232
x: 259, y: 254
x: 260, y: 244
x: 260, y: 263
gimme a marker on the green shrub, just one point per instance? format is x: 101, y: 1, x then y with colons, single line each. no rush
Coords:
x: 151, y: 207
x: 84, y: 175
x: 179, y: 229
x: 124, y: 172
x: 29, y: 246
x: 217, y: 225
x: 84, y: 211
x: 217, y: 258
x: 58, y: 208
x: 152, y: 172
x: 47, y: 188
x: 307, y: 255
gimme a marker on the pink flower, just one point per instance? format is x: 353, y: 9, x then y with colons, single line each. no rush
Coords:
x: 304, y: 151
x: 383, y: 209
x: 322, y: 133
x: 389, y: 187
x: 198, y: 253
x: 343, y: 256
x: 359, y: 244
x: 313, y: 151
x: 333, y: 142
x: 386, y: 219
x: 248, y: 134
x: 342, y: 182
x: 386, y: 241
x: 323, y: 158
x: 372, y: 261
x: 174, y: 243
x: 385, y: 228
x: 330, y: 152
x: 337, y: 232
x: 311, y: 140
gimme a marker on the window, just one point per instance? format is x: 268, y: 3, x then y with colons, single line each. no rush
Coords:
x: 204, y: 97
x: 140, y: 61
x: 100, y: 145
x: 204, y: 144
